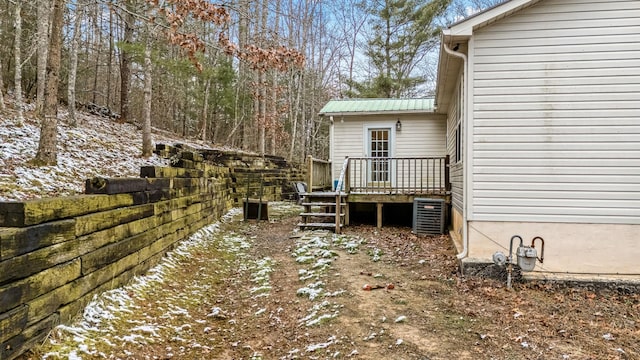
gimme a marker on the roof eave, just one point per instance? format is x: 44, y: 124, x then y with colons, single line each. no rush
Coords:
x: 394, y: 112
x: 444, y: 62
x: 467, y: 26
x: 462, y: 31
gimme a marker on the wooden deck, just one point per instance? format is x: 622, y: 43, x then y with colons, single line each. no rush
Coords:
x: 378, y: 181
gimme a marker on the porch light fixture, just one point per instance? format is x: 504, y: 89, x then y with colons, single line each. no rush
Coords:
x: 398, y: 125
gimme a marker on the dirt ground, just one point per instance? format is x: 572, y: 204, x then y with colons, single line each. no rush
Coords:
x: 260, y: 290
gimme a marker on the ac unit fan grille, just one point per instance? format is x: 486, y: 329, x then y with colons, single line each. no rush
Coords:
x: 428, y: 216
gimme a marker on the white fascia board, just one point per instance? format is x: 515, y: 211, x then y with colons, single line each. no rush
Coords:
x: 466, y: 27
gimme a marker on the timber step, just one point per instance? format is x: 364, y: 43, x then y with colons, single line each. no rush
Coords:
x: 323, y: 204
x: 323, y: 210
x: 317, y: 225
x: 320, y: 214
x: 321, y: 194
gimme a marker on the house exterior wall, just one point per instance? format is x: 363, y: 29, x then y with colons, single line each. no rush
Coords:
x: 456, y: 168
x: 556, y: 114
x: 555, y: 95
x: 421, y: 135
x: 605, y: 250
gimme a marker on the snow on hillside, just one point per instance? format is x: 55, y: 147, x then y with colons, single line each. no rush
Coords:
x: 96, y: 147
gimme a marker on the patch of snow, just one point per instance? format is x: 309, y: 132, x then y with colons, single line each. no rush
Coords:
x: 370, y: 337
x: 304, y: 259
x: 216, y: 311
x: 320, y: 319
x: 401, y: 319
x: 335, y: 293
x: 260, y: 312
x: 324, y: 345
x: 376, y: 255
x: 96, y: 326
x: 312, y: 290
x: 81, y: 155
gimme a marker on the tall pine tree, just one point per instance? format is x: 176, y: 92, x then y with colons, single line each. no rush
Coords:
x: 402, y: 34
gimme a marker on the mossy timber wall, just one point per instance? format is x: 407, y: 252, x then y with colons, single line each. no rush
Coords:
x: 57, y: 253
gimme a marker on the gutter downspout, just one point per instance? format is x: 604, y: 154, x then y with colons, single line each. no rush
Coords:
x: 465, y: 195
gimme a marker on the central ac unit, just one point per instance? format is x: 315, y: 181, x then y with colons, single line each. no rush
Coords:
x: 428, y: 216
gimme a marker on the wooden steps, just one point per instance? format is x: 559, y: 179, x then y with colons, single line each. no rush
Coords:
x: 318, y: 225
x: 322, y: 204
x: 320, y: 211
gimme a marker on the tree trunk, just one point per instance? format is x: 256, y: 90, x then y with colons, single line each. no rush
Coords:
x: 274, y: 85
x: 205, y: 109
x: 107, y: 91
x: 47, y: 152
x: 2, y: 106
x: 98, y: 45
x: 262, y: 111
x: 240, y: 113
x: 44, y: 6
x: 125, y: 64
x: 295, y: 117
x: 17, y: 79
x: 147, y: 147
x: 73, y: 65
x: 262, y: 81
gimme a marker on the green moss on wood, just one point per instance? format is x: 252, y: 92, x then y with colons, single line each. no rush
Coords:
x: 18, y: 241
x: 13, y: 322
x: 31, y: 336
x: 32, y: 212
x: 94, y: 222
x: 38, y: 284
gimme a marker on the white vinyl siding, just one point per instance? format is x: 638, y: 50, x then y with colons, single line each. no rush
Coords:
x: 556, y: 114
x: 456, y: 168
x: 421, y: 135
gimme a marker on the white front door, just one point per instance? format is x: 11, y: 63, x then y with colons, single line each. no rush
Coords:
x: 379, y: 147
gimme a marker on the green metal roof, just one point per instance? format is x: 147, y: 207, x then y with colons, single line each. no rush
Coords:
x: 372, y: 106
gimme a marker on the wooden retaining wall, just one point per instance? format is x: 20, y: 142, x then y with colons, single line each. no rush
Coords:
x: 57, y: 253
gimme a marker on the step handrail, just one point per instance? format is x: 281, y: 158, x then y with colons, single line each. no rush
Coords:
x: 343, y: 173
x: 338, y: 210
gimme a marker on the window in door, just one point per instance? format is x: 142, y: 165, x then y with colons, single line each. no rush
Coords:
x: 379, y: 151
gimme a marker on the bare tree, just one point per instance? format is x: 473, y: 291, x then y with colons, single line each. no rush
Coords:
x: 147, y: 147
x: 47, y: 152
x: 352, y: 20
x: 73, y: 64
x: 205, y: 109
x: 107, y: 102
x: 17, y: 53
x: 97, y: 38
x: 273, y: 99
x: 2, y: 106
x: 125, y: 60
x: 43, y: 9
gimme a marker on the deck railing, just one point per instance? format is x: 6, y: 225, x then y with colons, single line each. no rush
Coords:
x: 318, y: 174
x: 397, y: 175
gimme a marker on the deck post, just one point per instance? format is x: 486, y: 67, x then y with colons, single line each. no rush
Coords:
x: 309, y: 173
x: 338, y: 212
x: 346, y: 213
x: 379, y: 213
x: 447, y: 181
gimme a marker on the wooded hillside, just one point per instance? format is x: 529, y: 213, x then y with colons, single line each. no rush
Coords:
x: 250, y: 74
